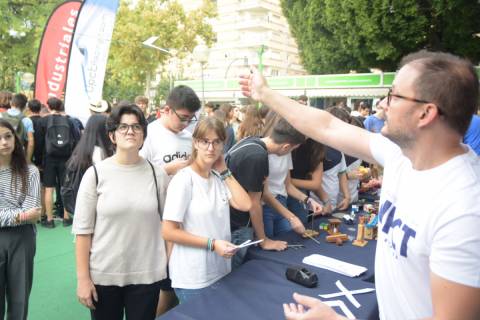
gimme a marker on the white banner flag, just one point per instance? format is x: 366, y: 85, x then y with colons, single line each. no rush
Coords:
x: 89, y: 53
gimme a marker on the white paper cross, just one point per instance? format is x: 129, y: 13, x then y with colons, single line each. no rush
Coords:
x: 347, y: 293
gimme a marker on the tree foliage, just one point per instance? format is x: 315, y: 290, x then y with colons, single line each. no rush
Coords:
x: 129, y: 62
x: 338, y: 36
x: 21, y: 28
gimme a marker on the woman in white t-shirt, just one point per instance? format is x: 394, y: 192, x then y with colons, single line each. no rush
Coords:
x: 197, y: 215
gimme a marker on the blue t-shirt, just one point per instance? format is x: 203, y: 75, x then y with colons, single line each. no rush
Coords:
x: 472, y: 137
x: 373, y: 124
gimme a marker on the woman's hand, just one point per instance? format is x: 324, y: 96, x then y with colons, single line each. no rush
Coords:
x: 343, y: 205
x: 33, y: 214
x: 86, y: 293
x: 224, y: 248
x: 316, y: 207
x: 219, y: 165
x: 297, y: 225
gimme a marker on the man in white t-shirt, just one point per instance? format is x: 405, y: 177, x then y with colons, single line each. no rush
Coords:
x: 428, y: 249
x: 168, y: 143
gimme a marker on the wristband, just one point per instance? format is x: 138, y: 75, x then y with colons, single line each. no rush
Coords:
x: 213, y: 245
x: 225, y: 174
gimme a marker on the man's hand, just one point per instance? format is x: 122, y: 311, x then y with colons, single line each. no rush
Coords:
x: 268, y: 244
x: 253, y: 84
x: 172, y: 167
x: 308, y: 308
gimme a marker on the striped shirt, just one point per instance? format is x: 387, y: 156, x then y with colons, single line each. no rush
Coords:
x: 13, y: 202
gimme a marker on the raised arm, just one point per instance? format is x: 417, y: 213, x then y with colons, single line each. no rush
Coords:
x: 314, y: 123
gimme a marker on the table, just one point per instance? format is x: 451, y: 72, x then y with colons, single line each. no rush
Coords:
x: 363, y: 256
x: 258, y: 289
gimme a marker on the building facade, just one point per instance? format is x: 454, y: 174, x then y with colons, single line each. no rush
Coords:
x: 243, y: 28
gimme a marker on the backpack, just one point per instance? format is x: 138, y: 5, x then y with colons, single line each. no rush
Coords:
x: 16, y: 122
x: 69, y: 188
x: 59, y: 141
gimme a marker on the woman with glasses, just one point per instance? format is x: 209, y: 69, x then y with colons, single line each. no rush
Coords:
x: 121, y: 256
x: 19, y: 210
x: 197, y: 218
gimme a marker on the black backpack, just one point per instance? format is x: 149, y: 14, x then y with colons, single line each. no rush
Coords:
x: 69, y: 188
x: 59, y: 141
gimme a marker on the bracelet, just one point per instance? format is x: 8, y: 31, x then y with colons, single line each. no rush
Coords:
x: 213, y: 245
x: 306, y: 199
x: 225, y: 174
x: 209, y: 244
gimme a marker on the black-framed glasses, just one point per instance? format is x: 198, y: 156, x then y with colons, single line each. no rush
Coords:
x: 123, y: 128
x: 185, y: 119
x: 390, y: 95
x: 205, y: 143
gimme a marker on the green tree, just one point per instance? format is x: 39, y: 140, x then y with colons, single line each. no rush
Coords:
x: 21, y: 28
x: 338, y: 36
x: 129, y: 62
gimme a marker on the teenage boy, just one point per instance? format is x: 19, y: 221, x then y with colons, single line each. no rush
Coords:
x: 248, y: 162
x: 168, y: 144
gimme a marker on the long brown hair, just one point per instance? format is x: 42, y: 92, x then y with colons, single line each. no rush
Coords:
x: 252, y: 125
x: 203, y: 127
x: 18, y: 163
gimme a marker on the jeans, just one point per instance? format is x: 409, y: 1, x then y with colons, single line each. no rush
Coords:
x: 238, y: 236
x: 298, y: 208
x: 184, y: 295
x: 273, y: 222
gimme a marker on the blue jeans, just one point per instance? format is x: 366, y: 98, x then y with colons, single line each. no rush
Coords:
x: 298, y: 209
x: 184, y: 295
x: 238, y: 236
x: 273, y: 222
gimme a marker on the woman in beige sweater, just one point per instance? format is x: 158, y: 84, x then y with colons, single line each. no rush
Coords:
x: 121, y: 256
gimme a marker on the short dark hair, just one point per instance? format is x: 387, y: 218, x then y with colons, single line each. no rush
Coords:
x: 34, y: 105
x: 114, y: 118
x: 19, y: 100
x: 448, y: 81
x: 283, y: 132
x: 56, y: 104
x: 183, y: 97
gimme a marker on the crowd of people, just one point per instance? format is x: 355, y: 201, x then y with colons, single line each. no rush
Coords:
x: 159, y: 201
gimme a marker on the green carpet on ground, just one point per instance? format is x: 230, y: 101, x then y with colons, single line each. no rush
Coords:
x: 53, y: 294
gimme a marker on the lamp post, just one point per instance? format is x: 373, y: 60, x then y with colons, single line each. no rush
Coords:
x: 245, y: 63
x: 200, y: 54
x: 150, y: 43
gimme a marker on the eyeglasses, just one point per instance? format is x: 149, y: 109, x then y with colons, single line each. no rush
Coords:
x: 123, y: 128
x: 185, y: 119
x: 204, y: 144
x: 390, y: 95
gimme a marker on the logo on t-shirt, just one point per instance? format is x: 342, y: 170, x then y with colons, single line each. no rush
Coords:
x: 177, y: 155
x: 397, y: 233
